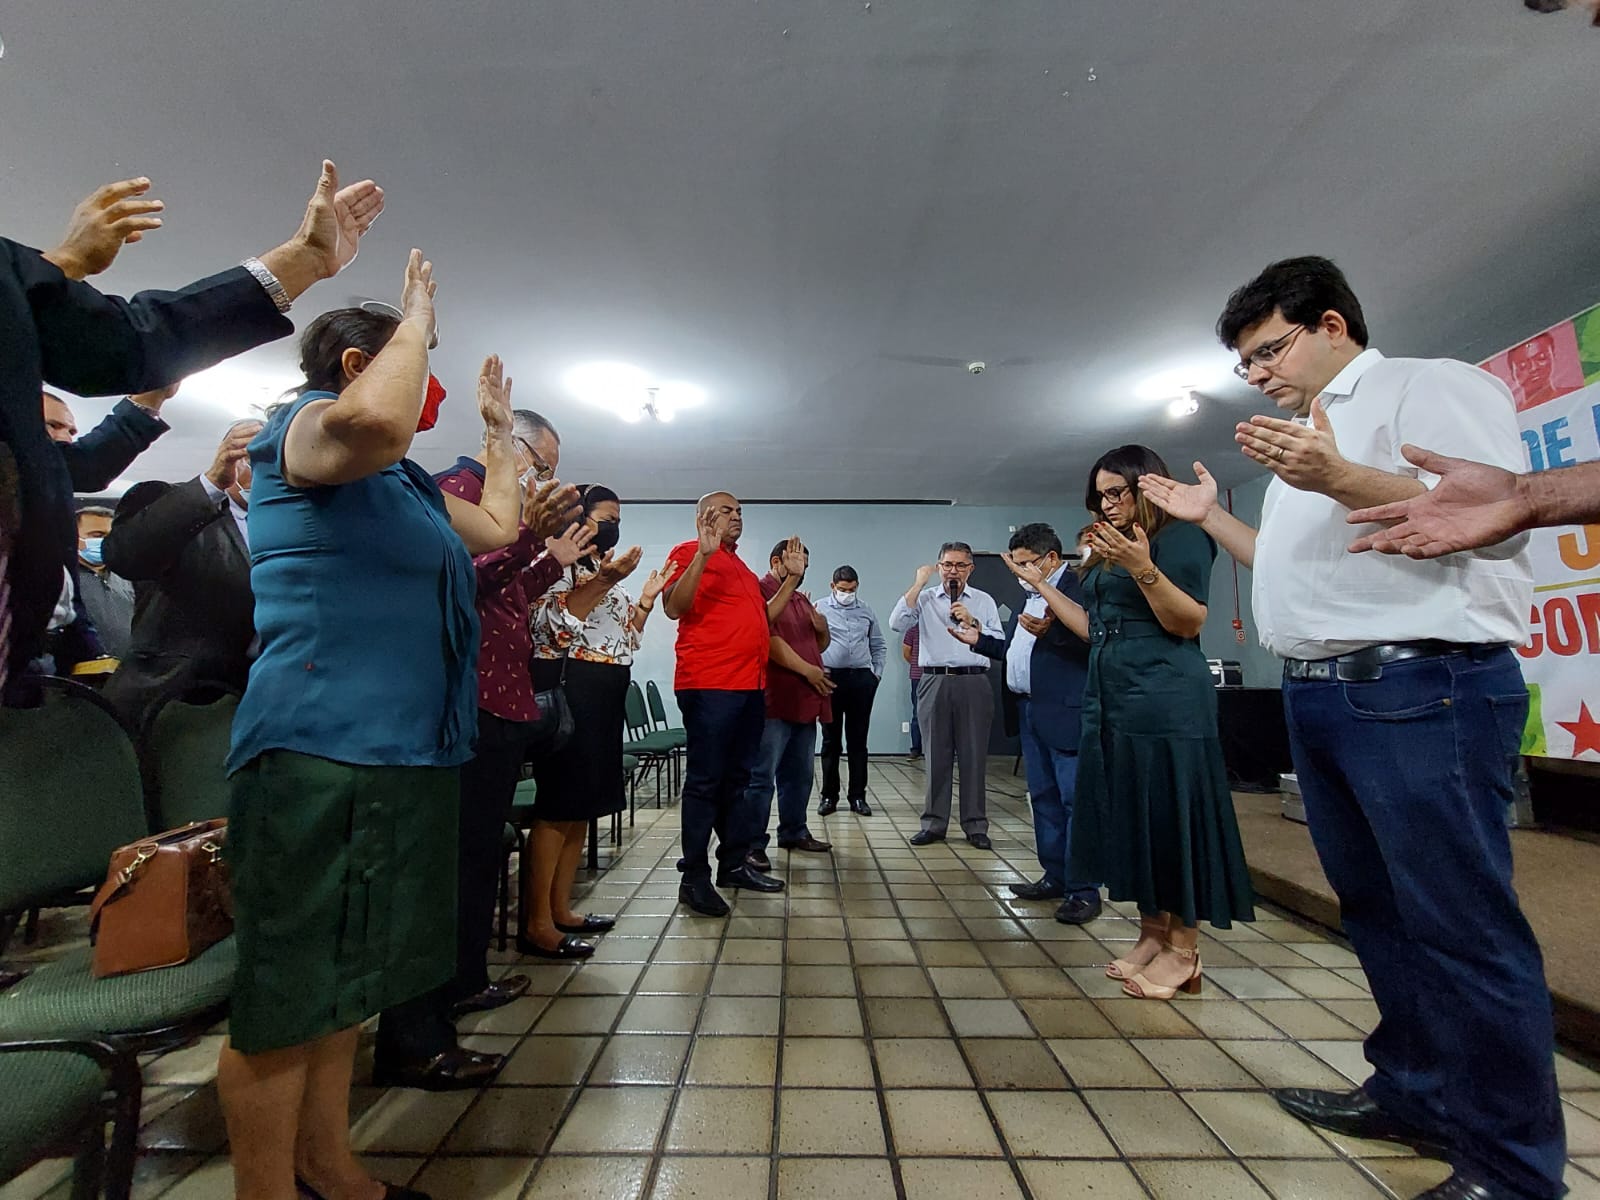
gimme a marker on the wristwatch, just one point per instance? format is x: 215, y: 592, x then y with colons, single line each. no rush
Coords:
x: 1148, y: 577
x: 269, y: 283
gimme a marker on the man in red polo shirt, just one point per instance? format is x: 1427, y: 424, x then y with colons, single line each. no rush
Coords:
x: 724, y: 640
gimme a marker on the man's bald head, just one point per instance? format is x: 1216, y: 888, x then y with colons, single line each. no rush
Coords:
x: 715, y: 500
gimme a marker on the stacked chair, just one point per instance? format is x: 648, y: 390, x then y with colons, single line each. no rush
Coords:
x: 71, y: 791
x: 655, y: 749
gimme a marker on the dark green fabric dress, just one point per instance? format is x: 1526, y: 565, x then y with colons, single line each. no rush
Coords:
x: 1153, y: 816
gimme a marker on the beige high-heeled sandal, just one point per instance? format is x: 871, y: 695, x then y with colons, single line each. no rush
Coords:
x: 1126, y: 968
x: 1141, y: 988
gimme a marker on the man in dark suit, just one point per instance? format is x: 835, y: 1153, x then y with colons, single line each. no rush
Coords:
x: 55, y: 328
x: 1046, y: 669
x: 186, y: 547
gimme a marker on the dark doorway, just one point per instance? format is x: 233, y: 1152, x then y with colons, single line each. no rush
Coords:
x: 991, y: 575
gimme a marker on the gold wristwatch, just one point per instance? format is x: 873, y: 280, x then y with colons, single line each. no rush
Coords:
x: 1148, y: 577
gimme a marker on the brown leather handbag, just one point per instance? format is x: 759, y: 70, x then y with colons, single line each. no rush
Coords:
x: 166, y: 899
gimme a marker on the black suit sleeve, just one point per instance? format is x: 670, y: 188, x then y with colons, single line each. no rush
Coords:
x: 106, y: 451
x: 990, y: 647
x: 99, y: 345
x: 154, y: 523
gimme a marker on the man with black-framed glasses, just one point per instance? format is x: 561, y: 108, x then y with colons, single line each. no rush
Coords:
x: 955, y: 704
x: 1405, y: 708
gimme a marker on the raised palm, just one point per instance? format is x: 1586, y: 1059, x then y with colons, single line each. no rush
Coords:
x: 494, y: 398
x: 337, y: 218
x: 1185, y: 501
x: 1473, y: 505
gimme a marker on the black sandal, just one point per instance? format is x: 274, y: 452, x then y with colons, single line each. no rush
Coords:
x: 570, y: 948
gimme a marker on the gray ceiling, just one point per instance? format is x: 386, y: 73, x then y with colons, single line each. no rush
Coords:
x: 773, y: 199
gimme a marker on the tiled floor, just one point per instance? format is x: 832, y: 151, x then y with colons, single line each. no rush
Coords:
x: 895, y: 1025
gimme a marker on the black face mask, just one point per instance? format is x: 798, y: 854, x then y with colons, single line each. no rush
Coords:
x: 607, y: 535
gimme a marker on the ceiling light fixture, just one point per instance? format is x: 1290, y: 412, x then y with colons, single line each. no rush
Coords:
x: 1185, y: 405
x: 629, y: 393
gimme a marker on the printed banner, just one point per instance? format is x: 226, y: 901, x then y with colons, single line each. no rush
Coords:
x: 1555, y: 377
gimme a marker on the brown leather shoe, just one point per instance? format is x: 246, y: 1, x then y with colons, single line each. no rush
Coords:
x: 807, y: 843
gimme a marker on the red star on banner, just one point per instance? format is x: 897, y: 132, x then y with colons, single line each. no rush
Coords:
x: 1585, y: 732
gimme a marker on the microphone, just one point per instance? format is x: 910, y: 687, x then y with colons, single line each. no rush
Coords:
x: 952, y: 589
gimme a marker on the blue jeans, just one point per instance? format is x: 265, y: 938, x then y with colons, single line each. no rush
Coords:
x: 916, y: 733
x: 724, y: 737
x: 1052, y: 783
x: 784, y: 764
x: 1406, y: 781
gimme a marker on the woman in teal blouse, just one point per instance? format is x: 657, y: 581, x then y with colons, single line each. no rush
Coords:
x: 1153, y: 815
x: 359, y: 710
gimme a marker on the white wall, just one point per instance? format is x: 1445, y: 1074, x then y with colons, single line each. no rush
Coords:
x: 1261, y: 668
x: 885, y: 544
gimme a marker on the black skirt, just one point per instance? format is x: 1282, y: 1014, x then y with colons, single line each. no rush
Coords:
x: 584, y: 780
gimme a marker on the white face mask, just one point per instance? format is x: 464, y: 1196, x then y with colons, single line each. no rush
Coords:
x: 1085, y: 551
x: 1028, y: 587
x: 844, y: 599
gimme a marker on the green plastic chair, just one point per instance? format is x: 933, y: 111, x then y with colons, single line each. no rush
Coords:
x: 59, y: 1096
x: 69, y: 795
x: 654, y: 749
x: 184, y: 751
x: 678, y: 734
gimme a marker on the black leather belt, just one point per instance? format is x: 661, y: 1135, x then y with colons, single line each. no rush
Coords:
x: 1126, y: 627
x: 1363, y: 666
x: 955, y: 670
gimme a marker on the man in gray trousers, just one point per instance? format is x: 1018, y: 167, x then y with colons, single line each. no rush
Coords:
x: 955, y: 706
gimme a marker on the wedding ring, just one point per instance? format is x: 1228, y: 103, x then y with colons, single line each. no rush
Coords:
x: 1279, y: 450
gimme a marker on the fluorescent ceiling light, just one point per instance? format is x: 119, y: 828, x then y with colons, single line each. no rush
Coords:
x: 630, y: 393
x: 1202, y: 372
x: 1185, y: 405
x: 237, y: 389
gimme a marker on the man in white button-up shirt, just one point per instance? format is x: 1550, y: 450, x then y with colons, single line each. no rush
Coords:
x: 955, y: 704
x: 1405, y: 707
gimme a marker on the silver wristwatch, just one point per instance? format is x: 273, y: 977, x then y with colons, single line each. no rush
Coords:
x: 269, y: 283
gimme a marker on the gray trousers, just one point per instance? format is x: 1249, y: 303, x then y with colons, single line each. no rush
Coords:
x: 955, y: 712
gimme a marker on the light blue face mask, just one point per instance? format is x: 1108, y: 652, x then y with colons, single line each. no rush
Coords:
x: 244, y: 496
x: 91, y: 553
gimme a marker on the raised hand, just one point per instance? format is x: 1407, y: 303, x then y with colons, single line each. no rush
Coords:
x: 1305, y: 457
x: 965, y: 633
x: 337, y: 219
x: 224, y: 469
x: 494, y: 398
x: 614, y: 568
x: 1473, y: 505
x: 548, y: 507
x: 571, y: 545
x: 656, y: 582
x: 794, y: 558
x: 1185, y: 501
x: 1131, y: 554
x: 925, y: 573
x: 416, y: 294
x: 1027, y: 572
x: 112, y: 216
x: 710, y: 525
x: 156, y: 397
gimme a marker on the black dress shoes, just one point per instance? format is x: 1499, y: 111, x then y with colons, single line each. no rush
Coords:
x: 1043, y: 889
x: 861, y: 808
x: 926, y: 838
x: 1459, y: 1187
x: 980, y: 841
x: 829, y: 806
x: 1357, y: 1114
x: 455, y: 1070
x: 590, y: 925
x: 750, y: 879
x: 807, y: 843
x: 699, y: 895
x: 758, y: 860
x: 567, y: 949
x: 1078, y: 910
x: 497, y: 994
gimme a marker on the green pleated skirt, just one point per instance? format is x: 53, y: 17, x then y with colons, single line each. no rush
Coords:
x: 344, y: 888
x: 1152, y: 818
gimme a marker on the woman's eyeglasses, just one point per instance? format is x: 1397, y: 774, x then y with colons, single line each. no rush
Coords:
x: 1116, y: 494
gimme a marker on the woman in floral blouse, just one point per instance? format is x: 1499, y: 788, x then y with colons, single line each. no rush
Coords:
x: 587, y: 626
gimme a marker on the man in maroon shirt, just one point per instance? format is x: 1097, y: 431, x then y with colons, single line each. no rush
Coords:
x: 724, y: 640
x: 417, y: 1044
x: 797, y: 698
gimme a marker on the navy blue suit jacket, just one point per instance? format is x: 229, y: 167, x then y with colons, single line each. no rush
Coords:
x: 1057, y: 673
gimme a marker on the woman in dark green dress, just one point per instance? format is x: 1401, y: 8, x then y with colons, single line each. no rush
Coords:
x: 1153, y: 816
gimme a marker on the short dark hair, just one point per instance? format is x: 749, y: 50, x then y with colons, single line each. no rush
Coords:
x: 1302, y: 289
x: 325, y: 340
x: 845, y: 574
x: 1130, y: 462
x: 1038, y: 537
x: 94, y: 510
x: 961, y: 546
x: 777, y: 551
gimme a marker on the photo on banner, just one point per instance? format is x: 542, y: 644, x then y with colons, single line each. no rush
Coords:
x: 1555, y: 379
